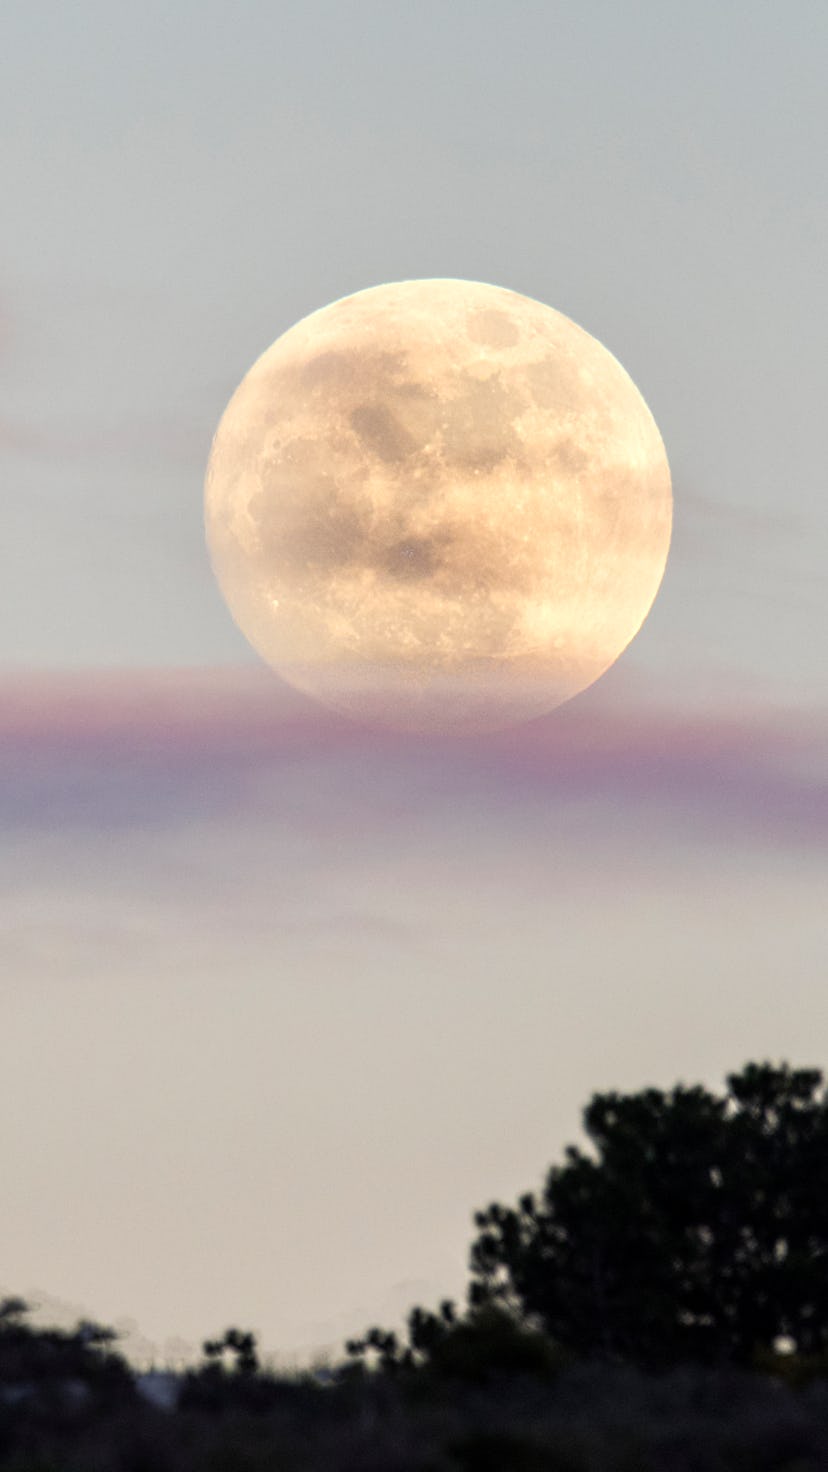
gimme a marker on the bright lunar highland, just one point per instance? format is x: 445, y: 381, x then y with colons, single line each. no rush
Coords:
x: 438, y: 505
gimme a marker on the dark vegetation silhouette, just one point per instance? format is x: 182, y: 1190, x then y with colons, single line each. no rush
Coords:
x: 697, y: 1229
x: 661, y: 1302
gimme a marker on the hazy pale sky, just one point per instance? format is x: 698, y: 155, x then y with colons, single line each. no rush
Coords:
x: 285, y: 1000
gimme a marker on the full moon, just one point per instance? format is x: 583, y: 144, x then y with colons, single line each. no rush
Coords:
x: 438, y: 505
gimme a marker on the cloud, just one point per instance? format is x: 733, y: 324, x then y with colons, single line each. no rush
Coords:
x: 149, y: 750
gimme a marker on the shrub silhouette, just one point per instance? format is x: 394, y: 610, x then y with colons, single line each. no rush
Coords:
x: 38, y: 1364
x: 230, y: 1378
x: 696, y: 1230
x: 240, y: 1345
x: 490, y: 1343
x: 487, y: 1343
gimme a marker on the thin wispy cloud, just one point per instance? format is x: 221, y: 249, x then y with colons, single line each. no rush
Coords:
x: 157, y: 749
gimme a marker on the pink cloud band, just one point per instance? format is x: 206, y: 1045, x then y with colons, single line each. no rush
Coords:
x: 105, y: 747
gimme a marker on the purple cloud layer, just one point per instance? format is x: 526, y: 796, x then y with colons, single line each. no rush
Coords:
x: 151, y: 749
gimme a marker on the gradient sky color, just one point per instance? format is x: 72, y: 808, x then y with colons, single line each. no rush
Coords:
x: 286, y: 999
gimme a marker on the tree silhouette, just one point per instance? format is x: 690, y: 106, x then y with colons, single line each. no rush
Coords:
x: 37, y: 1365
x: 697, y: 1228
x: 239, y: 1345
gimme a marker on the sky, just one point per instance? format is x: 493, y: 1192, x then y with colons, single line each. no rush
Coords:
x: 285, y: 998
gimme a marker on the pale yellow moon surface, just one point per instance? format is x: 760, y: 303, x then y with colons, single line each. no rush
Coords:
x: 438, y: 505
